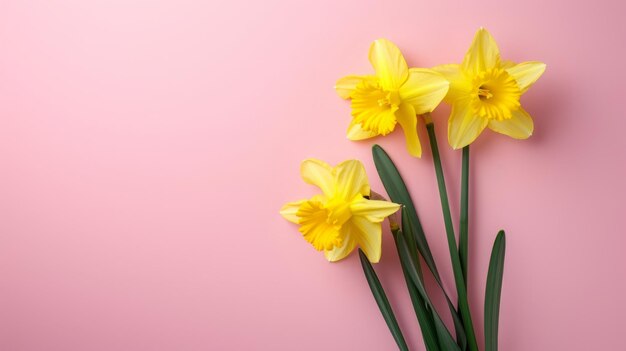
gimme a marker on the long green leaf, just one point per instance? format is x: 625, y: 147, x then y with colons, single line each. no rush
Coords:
x: 459, y: 281
x: 397, y: 191
x: 446, y: 341
x: 423, y: 314
x: 458, y: 323
x: 396, y: 188
x: 382, y: 301
x: 493, y: 292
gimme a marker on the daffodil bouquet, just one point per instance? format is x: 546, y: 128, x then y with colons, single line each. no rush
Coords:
x: 484, y: 92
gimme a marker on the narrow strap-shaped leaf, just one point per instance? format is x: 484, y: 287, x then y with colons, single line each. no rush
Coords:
x: 397, y: 191
x: 493, y: 292
x: 459, y: 281
x: 415, y: 236
x: 446, y: 341
x: 423, y: 314
x: 382, y: 301
x: 458, y: 323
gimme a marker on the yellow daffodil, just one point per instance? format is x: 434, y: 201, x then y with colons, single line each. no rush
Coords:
x: 342, y: 217
x: 485, y: 92
x: 395, y: 94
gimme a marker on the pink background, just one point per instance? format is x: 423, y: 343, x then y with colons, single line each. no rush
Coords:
x: 147, y: 145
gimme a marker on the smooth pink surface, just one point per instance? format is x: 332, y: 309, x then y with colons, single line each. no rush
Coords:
x: 146, y: 147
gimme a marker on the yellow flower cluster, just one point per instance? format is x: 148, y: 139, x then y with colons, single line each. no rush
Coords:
x: 484, y: 91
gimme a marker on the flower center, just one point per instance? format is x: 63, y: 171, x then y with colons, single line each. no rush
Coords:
x: 484, y: 94
x: 496, y: 94
x: 392, y: 98
x: 338, y: 211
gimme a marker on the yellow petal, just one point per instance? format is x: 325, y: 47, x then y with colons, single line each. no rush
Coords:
x: 348, y: 245
x: 464, y: 126
x: 424, y: 89
x: 318, y: 173
x: 356, y: 132
x: 407, y: 119
x: 289, y: 211
x: 391, y: 68
x: 506, y: 64
x: 483, y: 54
x: 369, y: 238
x: 373, y: 210
x: 526, y: 73
x: 351, y: 179
x: 346, y: 85
x: 519, y: 126
x: 460, y: 85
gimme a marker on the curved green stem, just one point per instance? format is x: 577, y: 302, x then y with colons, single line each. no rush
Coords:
x: 463, y: 225
x: 454, y: 254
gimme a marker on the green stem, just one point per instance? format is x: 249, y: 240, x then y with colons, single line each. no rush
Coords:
x: 454, y: 254
x: 464, y: 226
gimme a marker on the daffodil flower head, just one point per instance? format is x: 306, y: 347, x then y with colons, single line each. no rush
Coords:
x: 485, y: 92
x: 395, y: 94
x: 342, y: 217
